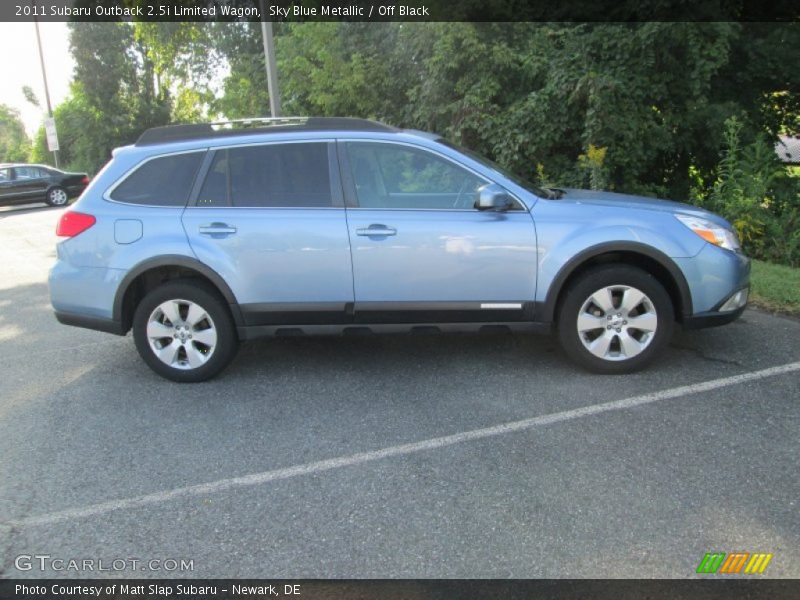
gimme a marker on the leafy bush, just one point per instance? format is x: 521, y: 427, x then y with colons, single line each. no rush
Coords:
x: 758, y: 195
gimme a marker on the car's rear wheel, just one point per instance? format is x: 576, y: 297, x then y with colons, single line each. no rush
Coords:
x: 57, y: 196
x: 615, y: 319
x: 183, y: 330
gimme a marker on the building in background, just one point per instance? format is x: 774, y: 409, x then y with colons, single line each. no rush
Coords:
x: 788, y: 149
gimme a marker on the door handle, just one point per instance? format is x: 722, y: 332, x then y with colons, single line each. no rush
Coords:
x: 376, y: 230
x: 217, y: 229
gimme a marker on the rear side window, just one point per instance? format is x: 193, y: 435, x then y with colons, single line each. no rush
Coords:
x: 276, y: 175
x: 29, y: 172
x: 162, y: 181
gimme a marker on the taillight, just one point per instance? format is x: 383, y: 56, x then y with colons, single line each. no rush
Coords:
x: 72, y: 223
x: 85, y: 180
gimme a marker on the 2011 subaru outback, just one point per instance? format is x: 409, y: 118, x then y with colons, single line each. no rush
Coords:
x: 200, y: 236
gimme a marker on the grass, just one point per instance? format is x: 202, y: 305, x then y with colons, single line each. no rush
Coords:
x: 775, y: 288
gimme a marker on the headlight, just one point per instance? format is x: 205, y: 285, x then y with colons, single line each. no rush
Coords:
x: 711, y: 232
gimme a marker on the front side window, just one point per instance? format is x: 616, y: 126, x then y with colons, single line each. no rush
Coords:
x: 397, y: 176
x: 292, y: 175
x: 520, y: 181
x: 5, y: 175
x: 163, y: 181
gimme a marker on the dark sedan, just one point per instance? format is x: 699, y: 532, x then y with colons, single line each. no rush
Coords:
x: 24, y: 184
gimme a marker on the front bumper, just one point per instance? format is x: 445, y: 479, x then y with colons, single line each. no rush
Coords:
x: 719, y: 281
x: 715, y: 318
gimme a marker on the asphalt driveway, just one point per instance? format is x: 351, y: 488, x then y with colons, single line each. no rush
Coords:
x: 461, y: 456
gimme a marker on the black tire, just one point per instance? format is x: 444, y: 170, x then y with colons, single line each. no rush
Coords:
x: 617, y: 277
x: 206, y: 297
x: 57, y: 196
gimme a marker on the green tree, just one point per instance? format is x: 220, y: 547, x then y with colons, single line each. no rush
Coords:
x: 184, y: 63
x: 637, y: 107
x: 115, y: 95
x: 14, y: 142
x: 337, y: 69
x: 30, y: 96
x: 654, y: 96
x: 83, y: 147
x: 244, y: 89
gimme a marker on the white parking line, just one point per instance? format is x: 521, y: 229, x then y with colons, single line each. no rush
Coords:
x: 404, y: 449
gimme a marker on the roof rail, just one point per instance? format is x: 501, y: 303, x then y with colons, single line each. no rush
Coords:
x: 179, y: 133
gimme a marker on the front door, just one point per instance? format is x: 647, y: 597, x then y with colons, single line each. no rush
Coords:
x: 6, y: 184
x: 269, y: 218
x: 421, y: 251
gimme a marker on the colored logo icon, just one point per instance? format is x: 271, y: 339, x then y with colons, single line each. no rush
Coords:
x: 735, y: 563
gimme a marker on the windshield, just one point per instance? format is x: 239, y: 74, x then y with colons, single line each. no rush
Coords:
x: 520, y: 181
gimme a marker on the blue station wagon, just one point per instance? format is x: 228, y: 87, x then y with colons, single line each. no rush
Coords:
x: 201, y: 236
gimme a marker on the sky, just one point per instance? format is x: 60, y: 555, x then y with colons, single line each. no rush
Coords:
x: 21, y: 67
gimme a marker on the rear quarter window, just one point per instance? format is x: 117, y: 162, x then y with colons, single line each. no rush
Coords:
x: 162, y: 181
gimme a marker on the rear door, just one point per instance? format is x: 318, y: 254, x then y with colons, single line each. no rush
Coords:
x: 30, y: 183
x: 270, y: 219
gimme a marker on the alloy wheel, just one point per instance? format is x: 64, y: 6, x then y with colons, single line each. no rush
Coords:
x: 181, y: 334
x: 58, y: 197
x: 617, y: 322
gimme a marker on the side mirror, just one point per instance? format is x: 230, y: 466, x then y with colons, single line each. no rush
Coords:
x: 493, y: 197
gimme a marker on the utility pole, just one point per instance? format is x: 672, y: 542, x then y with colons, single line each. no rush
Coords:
x: 269, y: 60
x: 44, y: 77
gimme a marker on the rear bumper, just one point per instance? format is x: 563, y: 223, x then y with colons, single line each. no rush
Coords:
x: 84, y: 296
x: 96, y: 323
x: 75, y: 190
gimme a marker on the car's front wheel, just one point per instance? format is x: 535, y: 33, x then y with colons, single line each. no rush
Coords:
x: 57, y: 196
x: 615, y: 319
x: 183, y: 330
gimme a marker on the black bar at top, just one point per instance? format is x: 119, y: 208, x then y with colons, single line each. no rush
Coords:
x: 415, y: 10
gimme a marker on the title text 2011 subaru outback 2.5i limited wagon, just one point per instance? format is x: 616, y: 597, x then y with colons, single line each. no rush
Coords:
x: 200, y: 236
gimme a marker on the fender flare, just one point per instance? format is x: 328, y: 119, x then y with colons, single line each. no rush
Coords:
x: 548, y: 308
x: 175, y: 260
